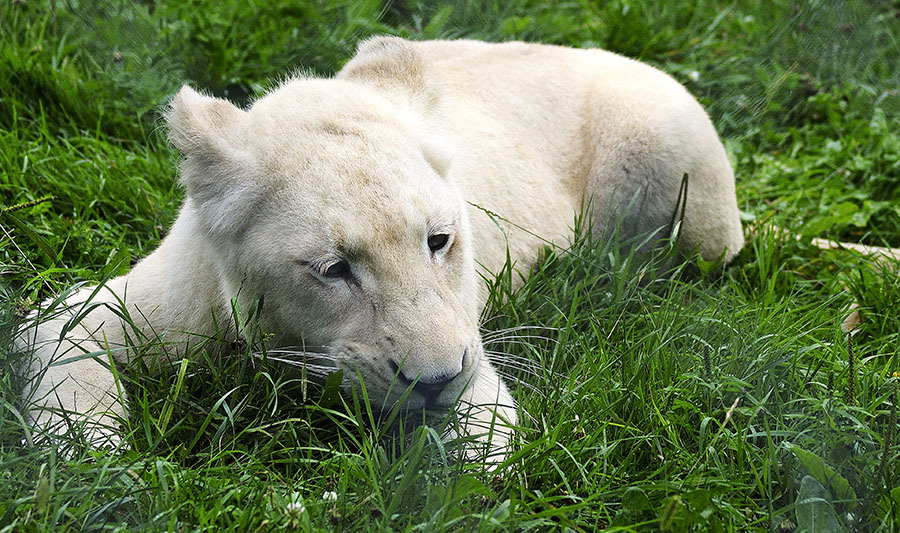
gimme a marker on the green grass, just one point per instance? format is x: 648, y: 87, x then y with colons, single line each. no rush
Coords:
x: 678, y: 400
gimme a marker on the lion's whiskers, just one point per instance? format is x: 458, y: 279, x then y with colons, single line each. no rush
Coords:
x: 493, y: 335
x: 302, y: 358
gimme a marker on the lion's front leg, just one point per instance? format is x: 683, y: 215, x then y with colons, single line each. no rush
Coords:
x: 488, y: 413
x: 72, y: 387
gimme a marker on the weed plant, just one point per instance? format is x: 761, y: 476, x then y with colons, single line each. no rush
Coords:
x: 695, y: 397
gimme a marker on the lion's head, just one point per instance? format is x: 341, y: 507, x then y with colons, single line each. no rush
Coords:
x: 332, y: 203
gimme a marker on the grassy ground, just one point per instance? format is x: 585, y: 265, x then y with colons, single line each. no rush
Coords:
x: 723, y: 401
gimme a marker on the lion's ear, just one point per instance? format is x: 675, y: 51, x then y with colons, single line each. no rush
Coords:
x: 208, y: 132
x: 202, y: 126
x: 392, y: 64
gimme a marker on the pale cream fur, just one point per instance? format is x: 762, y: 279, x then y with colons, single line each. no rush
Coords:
x: 407, y: 141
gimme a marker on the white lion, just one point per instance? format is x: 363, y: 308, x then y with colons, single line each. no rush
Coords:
x: 362, y: 207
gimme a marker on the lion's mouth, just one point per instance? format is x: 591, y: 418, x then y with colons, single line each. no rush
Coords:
x: 385, y: 386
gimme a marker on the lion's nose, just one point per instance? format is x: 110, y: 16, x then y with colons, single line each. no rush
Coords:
x: 432, y: 389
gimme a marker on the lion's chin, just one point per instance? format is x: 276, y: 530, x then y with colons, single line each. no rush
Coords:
x: 409, y: 404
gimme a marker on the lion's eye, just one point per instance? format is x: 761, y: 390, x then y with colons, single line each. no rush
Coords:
x: 337, y: 270
x: 438, y: 241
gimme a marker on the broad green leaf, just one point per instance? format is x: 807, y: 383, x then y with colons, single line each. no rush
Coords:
x: 635, y: 508
x: 699, y: 500
x: 815, y: 514
x: 332, y: 391
x: 842, y: 213
x: 635, y: 500
x: 824, y: 474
